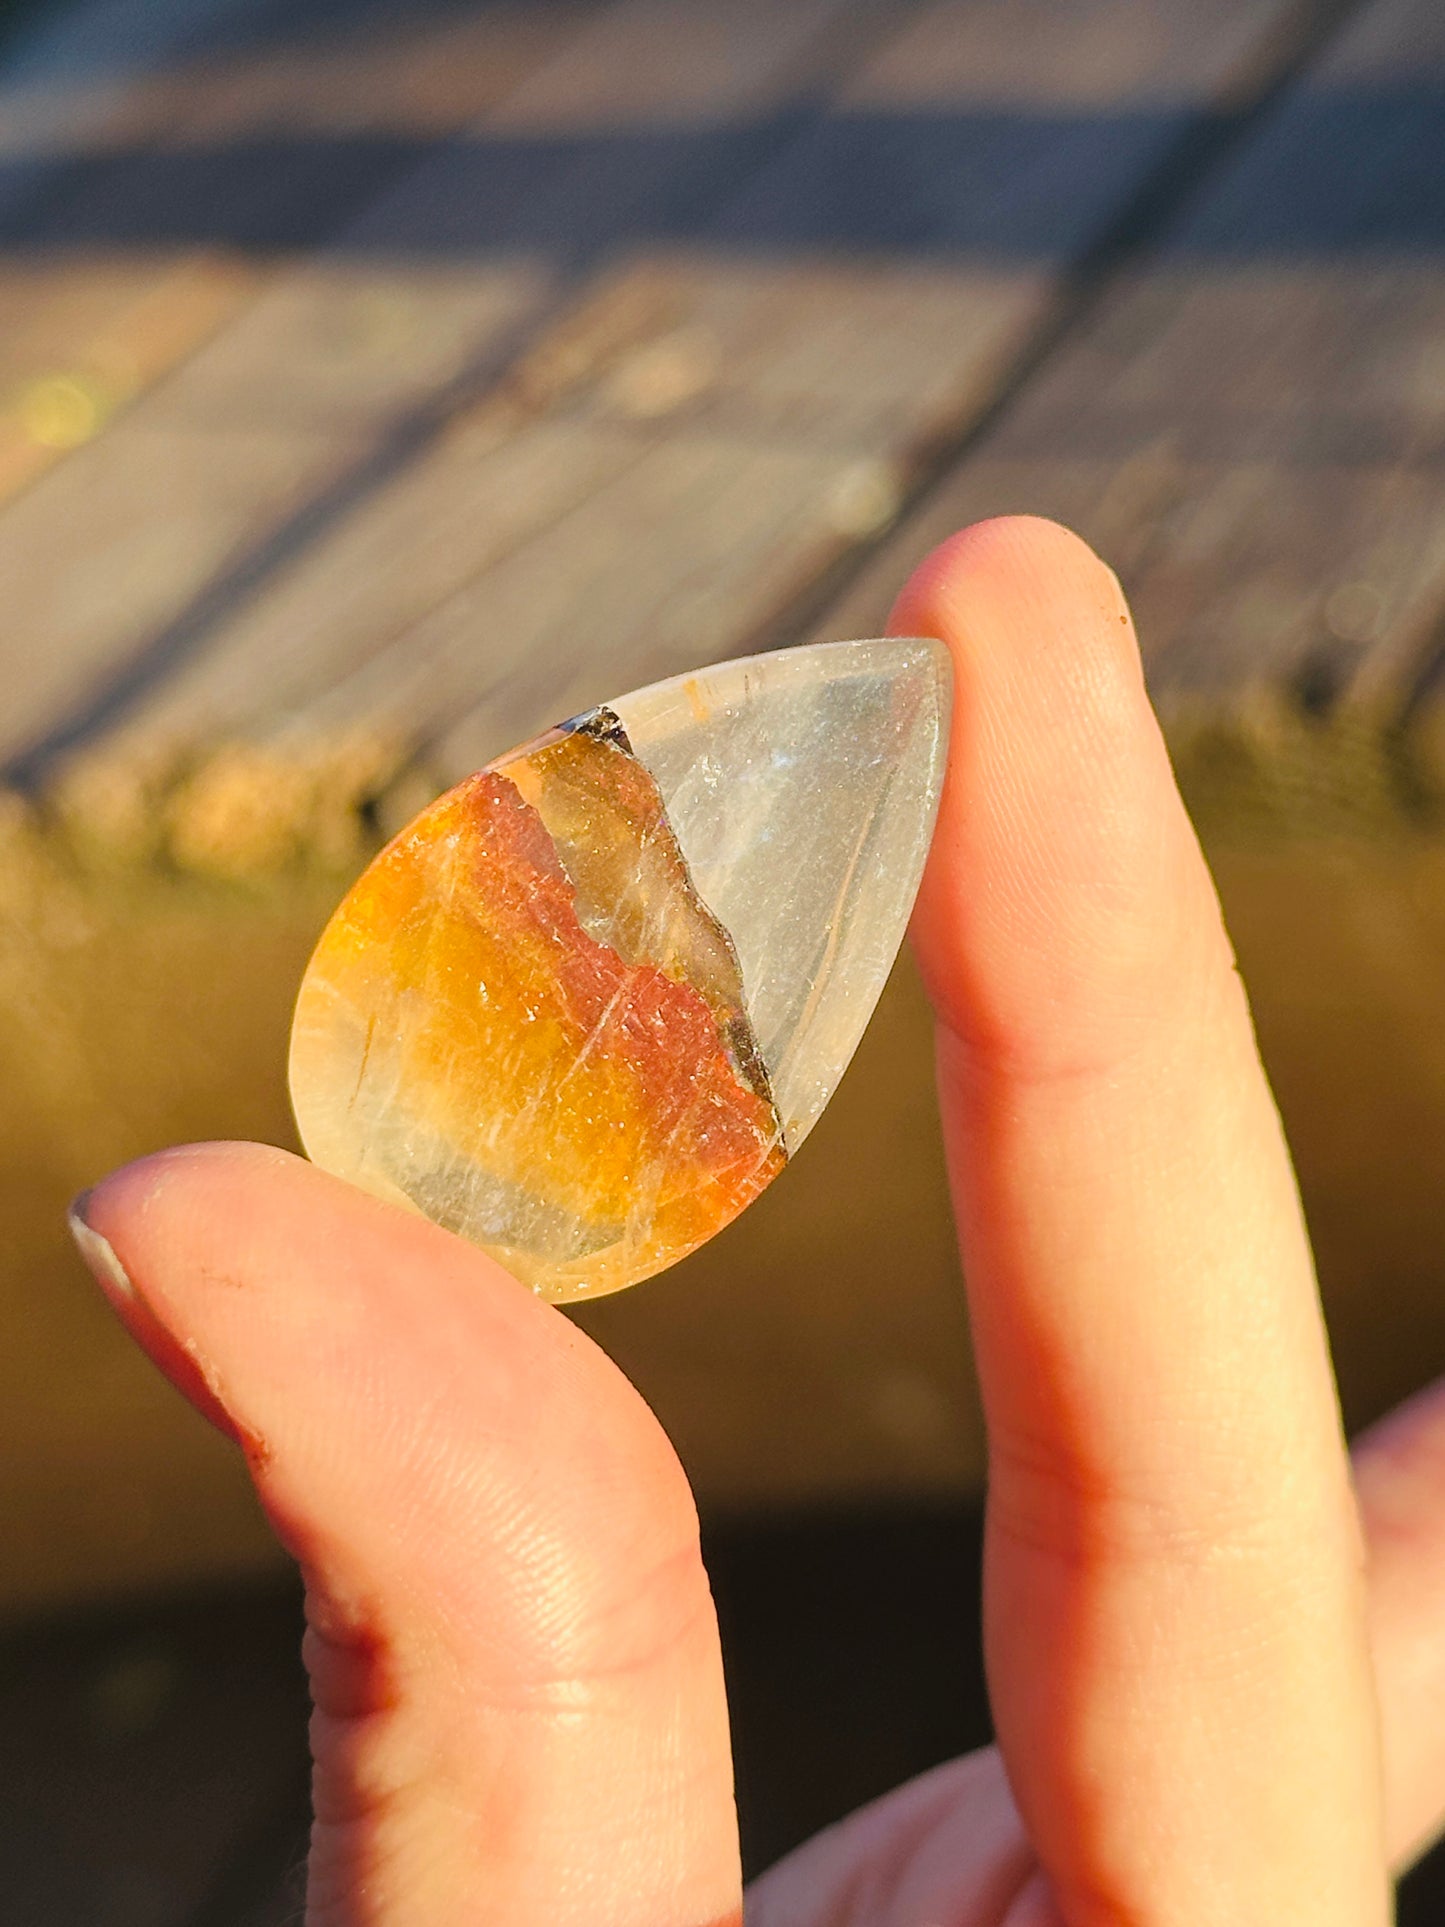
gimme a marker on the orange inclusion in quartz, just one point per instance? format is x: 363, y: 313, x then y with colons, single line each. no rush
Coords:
x: 600, y: 1086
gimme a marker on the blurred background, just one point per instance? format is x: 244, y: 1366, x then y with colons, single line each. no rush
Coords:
x: 379, y: 383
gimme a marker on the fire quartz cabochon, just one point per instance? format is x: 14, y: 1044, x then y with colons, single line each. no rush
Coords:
x: 585, y: 1007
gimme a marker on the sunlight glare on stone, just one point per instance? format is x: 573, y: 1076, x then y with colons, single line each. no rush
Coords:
x: 584, y: 1008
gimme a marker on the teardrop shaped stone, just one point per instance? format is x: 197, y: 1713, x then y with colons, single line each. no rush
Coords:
x: 585, y: 1007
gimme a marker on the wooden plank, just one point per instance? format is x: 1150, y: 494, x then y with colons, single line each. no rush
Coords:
x: 486, y: 608
x: 1033, y: 52
x: 452, y: 256
x: 1249, y: 423
x: 91, y: 337
x: 664, y: 66
x: 862, y: 365
x: 78, y: 346
x: 106, y: 85
x: 778, y: 401
x: 135, y: 258
x: 275, y: 143
x: 350, y: 343
x: 66, y: 80
x: 1247, y: 577
x: 309, y: 70
x: 98, y: 552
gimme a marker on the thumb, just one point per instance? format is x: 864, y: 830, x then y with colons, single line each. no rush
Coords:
x: 512, y: 1646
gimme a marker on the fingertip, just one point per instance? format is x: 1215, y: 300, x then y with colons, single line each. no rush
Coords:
x: 177, y: 1362
x: 243, y: 1213
x: 181, y: 1179
x: 260, y: 1285
x: 514, y: 1652
x: 380, y: 1370
x: 1064, y: 876
x: 1004, y: 564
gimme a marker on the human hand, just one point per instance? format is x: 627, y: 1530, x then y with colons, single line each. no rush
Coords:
x: 1218, y: 1699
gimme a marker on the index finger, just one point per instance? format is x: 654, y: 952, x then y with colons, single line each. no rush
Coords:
x: 1174, y: 1603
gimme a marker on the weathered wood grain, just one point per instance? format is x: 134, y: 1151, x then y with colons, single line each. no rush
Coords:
x: 95, y: 554
x: 80, y: 340
x: 156, y: 209
x: 469, y: 241
x: 308, y: 69
x: 70, y: 72
x: 953, y: 218
x: 89, y: 338
x: 1251, y: 424
x: 781, y: 378
x: 347, y: 342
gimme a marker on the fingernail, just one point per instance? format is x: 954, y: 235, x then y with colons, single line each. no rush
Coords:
x: 99, y: 1255
x: 181, y: 1362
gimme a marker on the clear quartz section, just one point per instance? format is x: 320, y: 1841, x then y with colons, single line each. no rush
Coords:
x: 584, y: 1007
x: 802, y: 788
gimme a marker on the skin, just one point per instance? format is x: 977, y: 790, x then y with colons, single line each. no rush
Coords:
x: 1217, y: 1660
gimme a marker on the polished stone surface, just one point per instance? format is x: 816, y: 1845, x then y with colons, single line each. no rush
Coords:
x: 584, y: 1008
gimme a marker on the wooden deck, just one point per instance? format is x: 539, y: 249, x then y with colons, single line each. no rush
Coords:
x: 441, y: 376
x: 379, y: 383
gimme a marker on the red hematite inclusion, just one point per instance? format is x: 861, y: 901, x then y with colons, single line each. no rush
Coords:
x: 601, y: 1097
